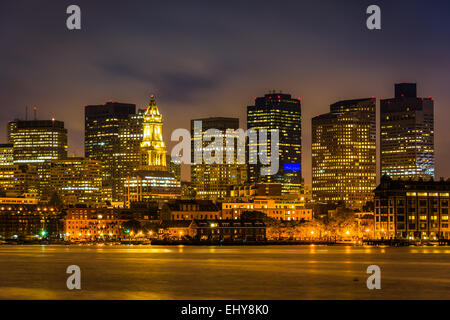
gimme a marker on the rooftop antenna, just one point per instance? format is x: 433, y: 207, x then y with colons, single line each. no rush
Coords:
x: 35, y: 111
x: 26, y: 113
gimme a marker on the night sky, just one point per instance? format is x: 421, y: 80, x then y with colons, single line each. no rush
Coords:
x: 211, y: 58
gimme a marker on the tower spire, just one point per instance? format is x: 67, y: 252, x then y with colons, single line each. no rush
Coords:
x: 152, y: 144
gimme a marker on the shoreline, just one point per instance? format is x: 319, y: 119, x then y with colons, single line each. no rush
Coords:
x: 369, y: 243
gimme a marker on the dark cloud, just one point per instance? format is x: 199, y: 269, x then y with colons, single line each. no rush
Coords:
x: 179, y: 87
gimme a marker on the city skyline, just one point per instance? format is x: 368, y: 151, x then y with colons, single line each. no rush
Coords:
x: 186, y: 173
x: 197, y: 152
x: 204, y: 67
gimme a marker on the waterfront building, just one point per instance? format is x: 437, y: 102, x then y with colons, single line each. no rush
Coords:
x: 214, y: 180
x: 102, y: 143
x: 37, y: 143
x: 27, y: 222
x: 412, y: 209
x: 407, y: 134
x: 190, y: 210
x: 229, y: 230
x: 277, y: 111
x: 152, y: 180
x: 275, y: 209
x: 6, y: 154
x: 92, y: 224
x: 77, y: 180
x: 344, y: 153
x: 366, y: 225
x: 176, y: 230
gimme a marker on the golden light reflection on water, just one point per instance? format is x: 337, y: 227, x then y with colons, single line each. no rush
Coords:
x: 164, y: 272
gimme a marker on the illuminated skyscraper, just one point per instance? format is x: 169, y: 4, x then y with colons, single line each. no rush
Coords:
x: 152, y: 180
x: 278, y: 111
x: 6, y: 154
x: 77, y: 180
x: 215, y: 180
x: 344, y: 153
x: 174, y: 166
x: 102, y: 123
x: 129, y: 157
x: 407, y: 134
x: 37, y: 142
x: 17, y: 180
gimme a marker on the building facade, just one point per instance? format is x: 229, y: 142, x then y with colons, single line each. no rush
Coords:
x: 214, y: 180
x: 277, y: 111
x: 275, y: 209
x: 25, y: 221
x: 77, y: 180
x: 344, y: 153
x: 18, y: 180
x: 37, y: 143
x: 407, y: 134
x: 190, y: 210
x: 152, y: 180
x: 249, y: 191
x: 6, y: 154
x: 174, y: 166
x: 128, y: 159
x: 229, y: 230
x: 93, y: 224
x: 101, y: 141
x: 412, y: 210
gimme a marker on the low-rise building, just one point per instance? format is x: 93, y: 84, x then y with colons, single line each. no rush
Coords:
x: 365, y: 222
x: 276, y: 209
x: 23, y: 221
x: 229, y: 230
x: 90, y: 224
x: 213, y: 230
x: 190, y: 210
x: 176, y: 230
x: 414, y: 210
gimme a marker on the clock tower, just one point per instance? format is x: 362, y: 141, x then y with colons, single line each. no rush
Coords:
x: 152, y: 145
